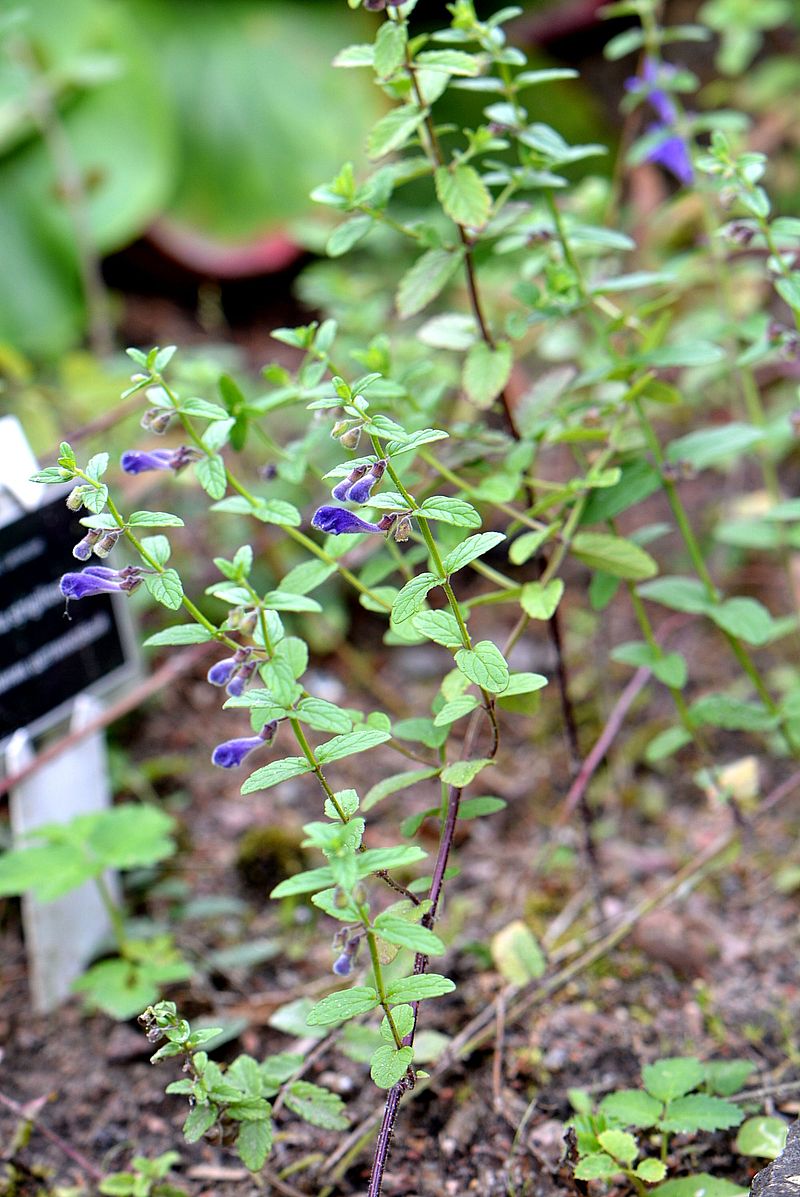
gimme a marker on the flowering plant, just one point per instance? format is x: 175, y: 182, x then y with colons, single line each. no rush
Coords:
x: 487, y: 475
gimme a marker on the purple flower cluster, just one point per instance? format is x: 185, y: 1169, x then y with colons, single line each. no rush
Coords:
x: 233, y: 672
x: 98, y: 579
x: 670, y: 149
x: 358, y: 485
x: 137, y: 461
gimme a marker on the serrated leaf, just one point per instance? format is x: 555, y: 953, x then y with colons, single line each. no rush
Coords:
x: 394, y: 130
x: 411, y: 597
x: 154, y: 519
x: 725, y: 1077
x: 394, y: 784
x: 346, y: 1003
x: 651, y: 1171
x: 307, y: 576
x: 426, y: 279
x: 487, y: 369
x: 307, y: 882
x: 597, y: 1166
x: 389, y: 1064
x: 425, y: 436
x: 461, y: 773
x: 183, y: 633
x: 375, y: 859
x: 352, y: 742
x: 457, y: 708
x: 283, y: 600
x: 619, y: 1144
x: 470, y: 549
x: 165, y: 588
x: 323, y: 715
x: 390, y: 48
x: 484, y: 665
x: 210, y: 473
x: 158, y: 547
x: 348, y: 234
x: 450, y: 511
x: 698, y: 1112
x: 453, y: 62
x: 463, y: 194
x: 400, y: 931
x: 439, y: 626
x: 733, y: 714
x: 672, y: 1077
x: 613, y: 555
x: 317, y: 1105
x: 199, y: 1120
x: 276, y: 772
x: 516, y: 954
x: 523, y: 683
x: 419, y: 987
x: 539, y: 600
x: 631, y: 1107
x: 254, y: 1142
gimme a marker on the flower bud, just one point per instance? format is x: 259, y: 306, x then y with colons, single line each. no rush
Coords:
x: 75, y: 498
x: 350, y: 438
x: 83, y: 549
x: 107, y: 542
x: 402, y: 528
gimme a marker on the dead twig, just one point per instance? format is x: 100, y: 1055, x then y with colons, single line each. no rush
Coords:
x: 30, y: 1112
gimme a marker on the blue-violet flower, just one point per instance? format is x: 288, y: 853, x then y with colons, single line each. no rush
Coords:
x: 97, y: 579
x: 231, y: 753
x: 670, y: 151
x: 338, y: 520
x: 136, y: 461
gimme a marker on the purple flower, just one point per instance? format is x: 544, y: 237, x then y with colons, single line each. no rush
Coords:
x: 222, y: 672
x: 342, y: 489
x: 338, y: 520
x: 361, y: 490
x: 673, y: 155
x: 343, y: 965
x: 83, y: 549
x: 231, y: 753
x: 97, y: 579
x: 670, y: 150
x: 136, y: 461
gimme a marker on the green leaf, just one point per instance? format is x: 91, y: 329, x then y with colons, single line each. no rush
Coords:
x: 619, y: 1144
x: 613, y: 555
x: 523, y: 683
x: 745, y: 618
x: 165, y: 588
x: 669, y: 668
x: 474, y: 808
x: 523, y: 547
x: 484, y: 665
x: 539, y: 600
x: 687, y: 353
x: 283, y: 600
x: 154, y: 519
x: 453, y: 62
x: 182, y: 633
x: 307, y: 576
x: 394, y: 784
x: 419, y: 987
x: 158, y: 548
x: 346, y: 1003
x: 317, y: 1105
x: 699, y: 1184
x: 357, y: 741
x: 400, y: 931
x: 276, y: 772
x: 699, y: 1112
x: 450, y: 511
x: 210, y: 473
x: 517, y: 954
x: 762, y: 1136
x: 651, y: 1171
x: 439, y: 626
x: 470, y: 549
x: 348, y: 234
x: 254, y: 1142
x: 487, y: 369
x: 672, y: 1077
x: 728, y: 1076
x: 425, y: 436
x: 389, y: 1064
x: 463, y: 194
x: 390, y: 48
x: 323, y: 715
x: 457, y: 708
x: 394, y: 130
x: 597, y: 1166
x: 631, y: 1107
x: 710, y: 446
x: 307, y: 882
x: 425, y: 280
x: 375, y: 859
x: 411, y: 597
x: 461, y: 773
x: 680, y: 594
x: 720, y: 710
x: 268, y: 511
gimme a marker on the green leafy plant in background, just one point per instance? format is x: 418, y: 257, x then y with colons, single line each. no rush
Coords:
x: 494, y: 388
x: 67, y: 856
x: 679, y: 1095
x: 147, y: 1178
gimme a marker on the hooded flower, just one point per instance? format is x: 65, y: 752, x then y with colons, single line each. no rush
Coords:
x: 338, y: 520
x: 221, y: 673
x: 136, y: 461
x: 342, y: 489
x: 97, y: 579
x: 231, y: 753
x: 361, y: 490
x: 83, y: 549
x: 670, y: 149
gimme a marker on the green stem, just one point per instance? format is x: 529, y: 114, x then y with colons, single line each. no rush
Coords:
x: 377, y: 972
x: 308, y: 753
